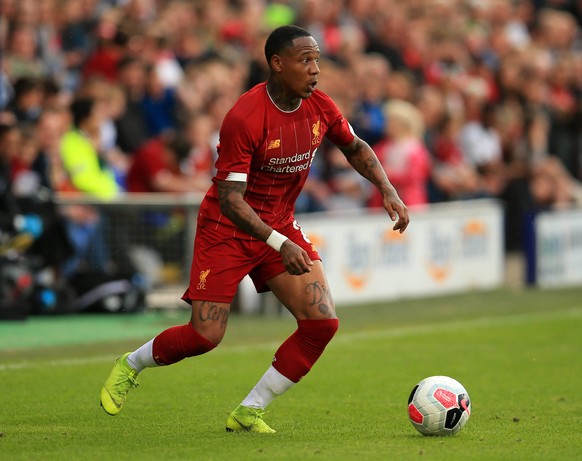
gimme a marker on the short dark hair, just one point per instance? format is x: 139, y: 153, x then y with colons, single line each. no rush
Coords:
x: 127, y: 61
x: 178, y: 144
x: 25, y: 85
x: 281, y: 38
x: 81, y: 109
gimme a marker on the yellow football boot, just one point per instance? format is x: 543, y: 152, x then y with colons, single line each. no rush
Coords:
x: 247, y: 419
x: 120, y: 381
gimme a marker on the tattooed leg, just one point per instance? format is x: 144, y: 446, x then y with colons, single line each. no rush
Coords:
x: 306, y: 296
x: 210, y: 319
x: 319, y: 296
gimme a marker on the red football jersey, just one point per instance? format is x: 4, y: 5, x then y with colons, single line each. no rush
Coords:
x: 272, y: 151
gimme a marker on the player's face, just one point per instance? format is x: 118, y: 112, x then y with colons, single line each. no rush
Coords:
x: 300, y: 67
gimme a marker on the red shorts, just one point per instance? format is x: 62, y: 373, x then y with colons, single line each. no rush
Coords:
x: 219, y: 263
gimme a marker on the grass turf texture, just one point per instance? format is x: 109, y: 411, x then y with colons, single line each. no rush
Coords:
x: 517, y: 353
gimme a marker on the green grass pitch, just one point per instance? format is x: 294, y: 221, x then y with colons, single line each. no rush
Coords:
x: 518, y: 353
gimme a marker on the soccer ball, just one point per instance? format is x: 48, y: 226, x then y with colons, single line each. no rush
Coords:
x: 439, y: 405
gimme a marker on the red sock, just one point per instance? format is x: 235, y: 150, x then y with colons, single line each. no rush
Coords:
x: 177, y: 343
x: 301, y: 350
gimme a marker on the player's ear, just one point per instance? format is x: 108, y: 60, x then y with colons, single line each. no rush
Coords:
x: 276, y: 63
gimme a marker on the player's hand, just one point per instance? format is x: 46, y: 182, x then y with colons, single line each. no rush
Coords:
x: 295, y: 258
x: 397, y: 211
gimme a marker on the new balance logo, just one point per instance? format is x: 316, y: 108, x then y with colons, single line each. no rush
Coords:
x: 274, y: 144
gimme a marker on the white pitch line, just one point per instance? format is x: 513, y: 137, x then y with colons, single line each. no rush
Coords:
x: 484, y: 322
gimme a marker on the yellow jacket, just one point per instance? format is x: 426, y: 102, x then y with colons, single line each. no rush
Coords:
x: 81, y: 160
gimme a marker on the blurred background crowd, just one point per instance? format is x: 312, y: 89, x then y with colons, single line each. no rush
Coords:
x: 461, y: 99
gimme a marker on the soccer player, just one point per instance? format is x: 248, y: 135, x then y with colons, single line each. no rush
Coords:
x: 246, y: 225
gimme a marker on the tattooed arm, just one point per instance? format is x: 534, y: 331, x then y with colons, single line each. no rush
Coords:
x: 361, y: 156
x: 234, y: 207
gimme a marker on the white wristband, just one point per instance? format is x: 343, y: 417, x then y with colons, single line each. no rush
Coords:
x: 275, y: 240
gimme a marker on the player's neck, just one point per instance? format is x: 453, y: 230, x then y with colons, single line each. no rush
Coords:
x: 281, y: 101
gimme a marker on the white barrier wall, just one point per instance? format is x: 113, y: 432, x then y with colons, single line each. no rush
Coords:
x: 450, y: 247
x: 558, y: 248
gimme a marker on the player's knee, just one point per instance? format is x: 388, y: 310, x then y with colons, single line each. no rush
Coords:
x: 329, y: 328
x: 213, y: 337
x: 212, y: 334
x: 320, y: 331
x: 210, y: 320
x: 196, y: 343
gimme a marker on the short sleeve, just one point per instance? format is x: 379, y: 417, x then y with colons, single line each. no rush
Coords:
x: 340, y: 132
x: 235, y: 149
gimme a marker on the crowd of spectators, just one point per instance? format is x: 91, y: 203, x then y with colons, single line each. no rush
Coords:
x: 460, y: 98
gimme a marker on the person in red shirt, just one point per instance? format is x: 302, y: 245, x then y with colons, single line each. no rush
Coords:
x: 403, y: 153
x: 246, y: 225
x: 155, y: 167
